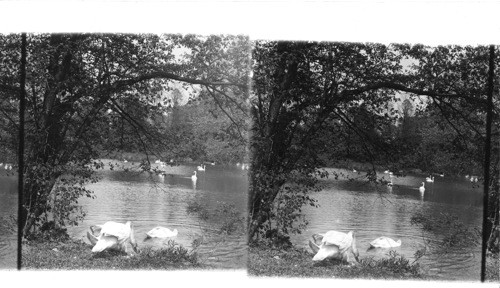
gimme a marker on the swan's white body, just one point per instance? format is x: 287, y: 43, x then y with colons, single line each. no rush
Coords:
x: 422, y: 188
x: 113, y: 236
x: 385, y: 242
x: 354, y: 171
x: 201, y: 167
x: 429, y: 179
x: 161, y: 232
x: 194, y: 177
x: 334, y: 244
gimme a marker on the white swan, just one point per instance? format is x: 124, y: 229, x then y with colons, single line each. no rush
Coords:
x: 194, y: 177
x: 386, y: 172
x: 334, y: 244
x: 354, y: 171
x: 201, y: 167
x: 113, y: 236
x: 422, y: 188
x: 385, y: 242
x: 125, y: 161
x: 473, y: 178
x: 429, y: 179
x: 161, y: 232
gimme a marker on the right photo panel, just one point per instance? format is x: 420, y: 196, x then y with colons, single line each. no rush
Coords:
x: 374, y: 161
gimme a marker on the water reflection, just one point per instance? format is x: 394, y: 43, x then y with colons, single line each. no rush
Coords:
x: 374, y: 211
x: 161, y: 200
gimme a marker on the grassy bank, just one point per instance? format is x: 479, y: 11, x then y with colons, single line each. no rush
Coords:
x: 75, y: 254
x: 493, y: 267
x: 295, y: 262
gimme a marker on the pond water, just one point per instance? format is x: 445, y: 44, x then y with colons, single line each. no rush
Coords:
x: 151, y: 200
x: 8, y: 228
x: 386, y: 211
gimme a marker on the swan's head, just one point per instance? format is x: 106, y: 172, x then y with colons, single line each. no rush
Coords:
x: 194, y: 173
x: 326, y: 251
x: 398, y: 242
x: 175, y: 232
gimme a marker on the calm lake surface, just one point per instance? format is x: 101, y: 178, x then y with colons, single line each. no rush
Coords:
x: 150, y: 201
x: 386, y: 211
x: 8, y: 228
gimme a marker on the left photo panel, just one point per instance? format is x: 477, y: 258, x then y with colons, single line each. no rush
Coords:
x: 135, y: 151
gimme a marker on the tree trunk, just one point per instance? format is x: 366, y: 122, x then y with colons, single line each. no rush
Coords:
x: 487, y: 159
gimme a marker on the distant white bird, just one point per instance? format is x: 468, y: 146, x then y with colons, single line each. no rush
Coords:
x: 386, y: 171
x: 125, y: 161
x: 385, y: 242
x: 193, y: 177
x: 212, y: 163
x: 429, y: 179
x: 354, y: 170
x: 113, y: 236
x: 422, y: 188
x: 473, y: 178
x: 158, y: 161
x: 201, y: 167
x: 161, y: 232
x: 467, y: 176
x: 441, y: 175
x: 334, y: 244
x: 238, y: 164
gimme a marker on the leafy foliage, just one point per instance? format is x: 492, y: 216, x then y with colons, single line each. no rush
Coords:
x: 456, y: 233
x: 90, y: 95
x: 228, y: 218
x: 400, y: 107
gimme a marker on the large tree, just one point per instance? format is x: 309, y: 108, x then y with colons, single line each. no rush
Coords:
x: 90, y: 92
x: 304, y: 91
